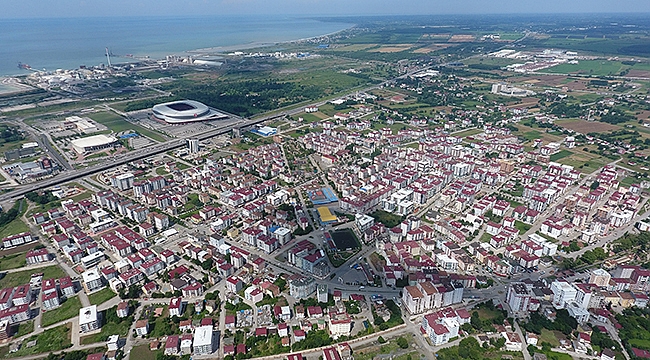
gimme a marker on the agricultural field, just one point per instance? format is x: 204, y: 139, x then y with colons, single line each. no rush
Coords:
x: 584, y: 126
x: 560, y: 155
x: 590, y: 67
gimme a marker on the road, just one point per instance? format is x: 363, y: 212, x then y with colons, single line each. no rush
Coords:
x: 124, y: 159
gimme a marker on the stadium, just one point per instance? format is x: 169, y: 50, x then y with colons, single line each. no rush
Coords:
x: 184, y: 111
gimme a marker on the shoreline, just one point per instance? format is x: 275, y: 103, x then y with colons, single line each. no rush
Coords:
x: 254, y: 45
x: 207, y: 51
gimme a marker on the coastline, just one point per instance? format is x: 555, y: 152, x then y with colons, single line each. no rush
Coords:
x: 197, y: 52
x: 255, y: 45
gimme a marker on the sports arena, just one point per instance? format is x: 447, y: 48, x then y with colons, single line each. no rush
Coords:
x: 184, y: 111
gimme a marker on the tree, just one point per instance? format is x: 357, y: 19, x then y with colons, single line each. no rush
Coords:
x: 475, y: 321
x: 381, y: 340
x: 594, y: 185
x: 468, y: 348
x: 402, y: 342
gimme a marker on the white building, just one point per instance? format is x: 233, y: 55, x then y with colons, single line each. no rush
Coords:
x: 92, y: 280
x: 518, y: 297
x: 203, y: 340
x: 88, y: 320
x: 599, y: 277
x: 92, y: 143
x: 123, y: 181
x: 563, y: 294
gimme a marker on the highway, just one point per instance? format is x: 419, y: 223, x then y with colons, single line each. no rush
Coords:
x: 124, y: 159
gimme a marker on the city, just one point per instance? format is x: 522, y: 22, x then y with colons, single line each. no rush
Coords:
x: 475, y: 204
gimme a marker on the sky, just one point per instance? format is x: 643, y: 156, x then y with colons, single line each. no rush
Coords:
x: 93, y: 8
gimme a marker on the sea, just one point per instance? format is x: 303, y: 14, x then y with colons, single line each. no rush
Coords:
x: 67, y: 43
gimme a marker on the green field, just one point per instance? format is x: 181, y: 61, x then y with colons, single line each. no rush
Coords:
x: 590, y: 67
x: 142, y: 352
x: 560, y: 155
x: 101, y: 296
x: 309, y: 118
x: 70, y: 308
x: 108, y: 329
x: 12, y: 261
x: 118, y: 124
x: 17, y: 226
x: 532, y: 135
x: 640, y: 343
x: 522, y: 227
x: 469, y: 132
x: 22, y: 277
x: 25, y: 328
x: 549, y: 337
x: 50, y: 340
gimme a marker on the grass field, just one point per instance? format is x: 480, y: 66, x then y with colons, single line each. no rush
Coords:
x: 118, y: 124
x: 549, y: 337
x: 590, y: 67
x: 640, y: 343
x: 50, y: 340
x: 532, y: 135
x: 25, y: 328
x: 142, y: 352
x: 586, y: 163
x: 108, y: 329
x: 17, y: 226
x: 312, y: 117
x: 12, y: 261
x: 522, y: 227
x: 469, y: 132
x: 560, y: 155
x: 22, y: 277
x: 70, y: 308
x: 101, y: 296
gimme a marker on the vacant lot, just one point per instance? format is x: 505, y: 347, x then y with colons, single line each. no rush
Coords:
x: 560, y: 155
x: 101, y: 296
x: 70, y: 308
x: 119, y: 124
x: 584, y: 126
x: 50, y: 340
x: 142, y: 352
x: 13, y: 261
x: 22, y: 277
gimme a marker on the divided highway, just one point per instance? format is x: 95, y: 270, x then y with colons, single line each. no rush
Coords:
x: 124, y: 159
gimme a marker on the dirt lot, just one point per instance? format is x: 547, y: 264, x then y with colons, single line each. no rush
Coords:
x: 525, y: 103
x: 429, y: 48
x: 644, y: 115
x: 577, y: 85
x: 549, y: 80
x: 392, y: 48
x: 639, y: 73
x: 462, y: 38
x: 583, y: 126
